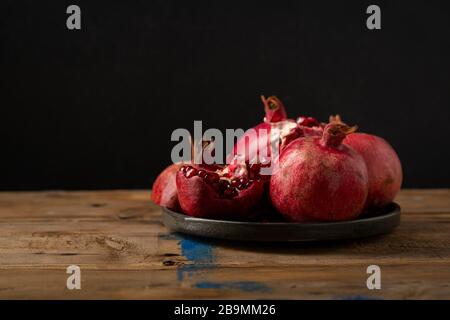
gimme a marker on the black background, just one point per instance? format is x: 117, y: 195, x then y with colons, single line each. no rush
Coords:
x: 95, y: 108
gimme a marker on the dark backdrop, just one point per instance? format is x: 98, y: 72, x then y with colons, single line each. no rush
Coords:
x: 95, y: 108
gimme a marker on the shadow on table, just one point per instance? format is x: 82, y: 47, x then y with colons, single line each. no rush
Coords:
x: 287, y: 247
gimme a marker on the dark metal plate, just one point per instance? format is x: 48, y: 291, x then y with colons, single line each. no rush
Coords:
x: 382, y: 222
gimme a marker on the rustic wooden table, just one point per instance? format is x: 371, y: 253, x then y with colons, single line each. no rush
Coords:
x: 124, y: 252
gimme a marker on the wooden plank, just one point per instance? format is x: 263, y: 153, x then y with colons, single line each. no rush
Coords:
x: 124, y: 251
x: 306, y: 282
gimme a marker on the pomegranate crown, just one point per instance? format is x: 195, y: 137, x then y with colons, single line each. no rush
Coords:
x: 335, y: 118
x: 275, y: 110
x: 336, y: 131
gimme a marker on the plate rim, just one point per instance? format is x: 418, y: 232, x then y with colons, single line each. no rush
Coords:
x: 396, y: 210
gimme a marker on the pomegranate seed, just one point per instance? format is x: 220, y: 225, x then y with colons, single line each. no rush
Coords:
x: 202, y: 173
x: 243, y: 180
x: 213, y: 177
x: 191, y: 172
x: 224, y: 185
x: 230, y: 193
x: 234, y: 183
x: 242, y: 183
x: 227, y: 192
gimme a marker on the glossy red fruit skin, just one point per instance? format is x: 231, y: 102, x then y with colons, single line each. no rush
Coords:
x: 199, y: 198
x: 164, y: 190
x: 383, y: 167
x: 317, y: 182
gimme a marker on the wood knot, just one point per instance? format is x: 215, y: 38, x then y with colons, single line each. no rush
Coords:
x: 168, y: 263
x: 98, y: 205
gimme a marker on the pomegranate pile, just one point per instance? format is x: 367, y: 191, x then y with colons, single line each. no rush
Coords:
x: 323, y: 172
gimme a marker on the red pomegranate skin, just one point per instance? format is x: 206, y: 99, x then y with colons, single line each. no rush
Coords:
x: 199, y: 198
x: 383, y: 167
x: 164, y: 190
x: 320, y: 179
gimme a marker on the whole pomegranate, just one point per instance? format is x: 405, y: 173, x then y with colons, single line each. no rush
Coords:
x: 255, y: 146
x: 383, y: 167
x: 218, y: 194
x: 320, y: 179
x: 164, y: 191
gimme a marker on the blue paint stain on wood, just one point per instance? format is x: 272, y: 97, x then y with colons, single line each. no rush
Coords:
x: 199, y: 252
x: 196, y: 250
x: 248, y: 286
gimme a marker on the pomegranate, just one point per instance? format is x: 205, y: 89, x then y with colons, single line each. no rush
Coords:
x: 383, y: 166
x: 164, y: 191
x: 254, y: 146
x: 320, y: 179
x: 219, y: 194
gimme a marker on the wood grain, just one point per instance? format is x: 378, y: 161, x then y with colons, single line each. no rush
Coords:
x: 124, y: 252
